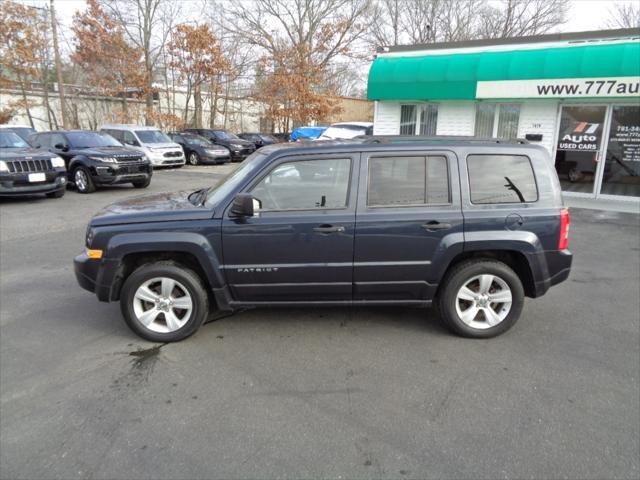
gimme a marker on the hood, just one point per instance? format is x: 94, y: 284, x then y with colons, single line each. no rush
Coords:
x: 237, y: 141
x: 24, y: 154
x: 162, y: 146
x: 161, y: 207
x: 108, y: 151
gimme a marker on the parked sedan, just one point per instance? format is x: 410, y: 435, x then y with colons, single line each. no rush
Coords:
x: 199, y: 150
x: 259, y: 139
x: 240, y: 149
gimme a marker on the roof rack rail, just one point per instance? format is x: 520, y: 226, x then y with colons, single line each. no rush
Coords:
x: 435, y: 139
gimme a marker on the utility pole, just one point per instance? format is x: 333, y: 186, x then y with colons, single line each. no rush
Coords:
x: 56, y: 50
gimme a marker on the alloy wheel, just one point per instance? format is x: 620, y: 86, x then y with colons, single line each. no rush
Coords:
x: 162, y: 305
x: 484, y: 301
x: 81, y: 180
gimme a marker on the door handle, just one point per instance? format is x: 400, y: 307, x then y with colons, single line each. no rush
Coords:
x: 328, y: 229
x: 435, y: 226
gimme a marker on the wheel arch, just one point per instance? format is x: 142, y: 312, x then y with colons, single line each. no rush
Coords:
x: 516, y: 260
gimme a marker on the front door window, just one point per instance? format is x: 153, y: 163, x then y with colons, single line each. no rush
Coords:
x: 621, y: 174
x: 579, y: 144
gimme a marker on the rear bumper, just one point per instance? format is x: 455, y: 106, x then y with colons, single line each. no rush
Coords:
x: 558, y: 268
x: 13, y: 184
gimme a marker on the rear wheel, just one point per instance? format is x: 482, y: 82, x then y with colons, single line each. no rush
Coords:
x: 481, y: 298
x: 164, y: 302
x: 194, y: 159
x: 82, y: 180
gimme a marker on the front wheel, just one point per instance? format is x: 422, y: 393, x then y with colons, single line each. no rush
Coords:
x: 194, y: 159
x: 481, y: 298
x: 82, y: 180
x: 164, y: 302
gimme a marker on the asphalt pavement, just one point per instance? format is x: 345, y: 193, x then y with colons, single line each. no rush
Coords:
x: 318, y: 393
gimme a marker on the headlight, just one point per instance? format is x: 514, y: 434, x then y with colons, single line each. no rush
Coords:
x: 235, y: 145
x: 3, y: 166
x: 104, y: 159
x: 89, y: 237
x: 57, y: 162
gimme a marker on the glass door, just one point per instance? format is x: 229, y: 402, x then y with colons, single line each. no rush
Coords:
x: 579, y: 147
x: 621, y: 172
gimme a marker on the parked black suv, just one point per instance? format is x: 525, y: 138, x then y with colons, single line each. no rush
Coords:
x: 238, y: 147
x: 94, y: 159
x: 199, y: 150
x: 474, y: 226
x: 27, y: 171
x: 259, y: 139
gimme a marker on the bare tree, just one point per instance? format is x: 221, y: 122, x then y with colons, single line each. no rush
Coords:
x: 517, y: 18
x: 147, y: 24
x: 385, y: 23
x: 624, y: 15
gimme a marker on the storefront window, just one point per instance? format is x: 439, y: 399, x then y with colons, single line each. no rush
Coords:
x: 424, y: 116
x: 578, y: 147
x: 621, y: 174
x: 407, y: 120
x: 497, y: 120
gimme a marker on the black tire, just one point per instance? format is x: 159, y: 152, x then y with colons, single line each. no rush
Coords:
x: 85, y: 185
x: 179, y: 273
x: 194, y: 159
x: 142, y: 183
x: 56, y: 194
x: 458, y: 277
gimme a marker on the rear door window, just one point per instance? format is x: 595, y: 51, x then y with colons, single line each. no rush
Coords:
x: 404, y: 181
x: 501, y: 179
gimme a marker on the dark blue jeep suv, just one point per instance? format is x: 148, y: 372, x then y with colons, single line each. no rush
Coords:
x: 474, y: 226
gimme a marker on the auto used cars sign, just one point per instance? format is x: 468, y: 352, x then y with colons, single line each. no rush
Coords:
x: 582, y: 136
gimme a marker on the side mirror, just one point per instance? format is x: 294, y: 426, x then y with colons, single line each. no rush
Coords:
x: 244, y: 205
x: 60, y: 146
x: 133, y: 143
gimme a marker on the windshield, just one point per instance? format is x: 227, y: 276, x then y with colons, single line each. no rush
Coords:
x: 195, y: 140
x: 344, y: 131
x: 268, y: 138
x: 225, y: 135
x: 91, y: 140
x: 11, y: 140
x: 152, y: 136
x: 235, y: 178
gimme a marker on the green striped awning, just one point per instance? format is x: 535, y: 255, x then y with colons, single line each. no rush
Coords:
x: 455, y: 76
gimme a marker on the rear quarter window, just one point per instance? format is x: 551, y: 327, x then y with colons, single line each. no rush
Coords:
x: 497, y: 179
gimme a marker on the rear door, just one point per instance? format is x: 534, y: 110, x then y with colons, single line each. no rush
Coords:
x: 299, y: 248
x: 408, y: 217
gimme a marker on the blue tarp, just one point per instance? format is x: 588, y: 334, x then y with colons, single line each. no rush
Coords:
x: 306, y: 133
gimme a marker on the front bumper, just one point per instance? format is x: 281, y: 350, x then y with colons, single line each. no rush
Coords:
x: 12, y: 184
x: 96, y: 276
x: 162, y: 161
x: 111, y: 175
x: 240, y: 153
x: 212, y: 158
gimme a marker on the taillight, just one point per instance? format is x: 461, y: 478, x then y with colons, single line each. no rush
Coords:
x: 563, y: 242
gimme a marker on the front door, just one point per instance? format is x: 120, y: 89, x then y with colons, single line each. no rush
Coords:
x: 579, y: 146
x: 407, y: 206
x: 299, y: 247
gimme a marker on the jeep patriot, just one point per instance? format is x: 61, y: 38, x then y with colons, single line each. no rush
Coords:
x: 472, y: 226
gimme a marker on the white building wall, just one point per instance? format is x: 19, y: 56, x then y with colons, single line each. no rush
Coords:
x: 539, y: 117
x: 387, y: 118
x: 455, y: 118
x: 458, y: 118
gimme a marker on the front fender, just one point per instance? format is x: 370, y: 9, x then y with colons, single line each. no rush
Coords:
x: 124, y: 244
